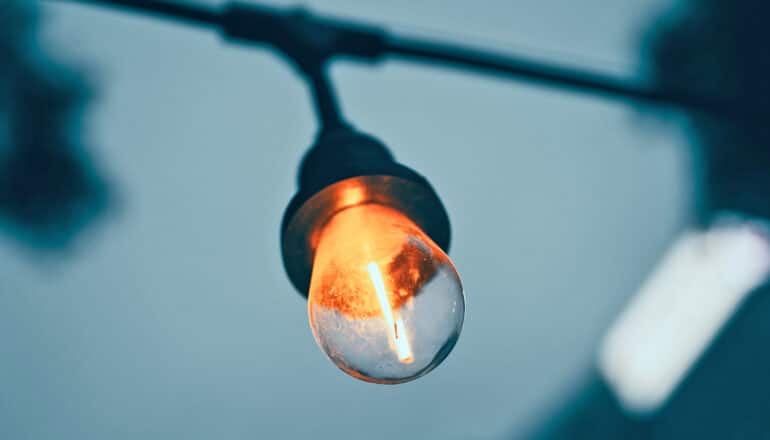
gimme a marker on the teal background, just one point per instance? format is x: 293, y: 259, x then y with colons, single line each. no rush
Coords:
x: 173, y: 317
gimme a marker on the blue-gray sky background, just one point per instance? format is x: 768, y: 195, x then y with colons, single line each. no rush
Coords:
x: 173, y: 318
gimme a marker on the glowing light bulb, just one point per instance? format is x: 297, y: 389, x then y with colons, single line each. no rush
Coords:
x: 385, y: 303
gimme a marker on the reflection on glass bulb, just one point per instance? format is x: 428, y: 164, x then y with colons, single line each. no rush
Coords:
x: 385, y: 302
x: 402, y: 348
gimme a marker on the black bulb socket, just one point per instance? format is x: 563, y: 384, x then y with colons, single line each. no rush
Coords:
x: 346, y: 168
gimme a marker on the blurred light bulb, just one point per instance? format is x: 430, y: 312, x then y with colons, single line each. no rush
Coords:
x: 679, y: 310
x: 385, y: 303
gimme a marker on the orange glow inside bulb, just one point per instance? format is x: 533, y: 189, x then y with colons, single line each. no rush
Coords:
x: 370, y: 262
x: 385, y: 302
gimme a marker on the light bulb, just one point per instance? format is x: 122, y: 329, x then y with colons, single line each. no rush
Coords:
x: 385, y: 302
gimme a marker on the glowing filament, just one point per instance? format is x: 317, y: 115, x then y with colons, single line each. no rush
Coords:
x: 395, y: 325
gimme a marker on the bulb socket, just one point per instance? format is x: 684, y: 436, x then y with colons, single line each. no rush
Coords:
x: 343, y: 169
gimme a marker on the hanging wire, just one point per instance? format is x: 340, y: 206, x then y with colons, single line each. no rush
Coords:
x: 197, y: 14
x: 325, y: 99
x: 548, y: 74
x: 309, y: 41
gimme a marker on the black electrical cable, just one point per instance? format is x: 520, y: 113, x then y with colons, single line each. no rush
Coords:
x: 582, y: 81
x: 326, y: 103
x: 310, y: 40
x: 196, y: 14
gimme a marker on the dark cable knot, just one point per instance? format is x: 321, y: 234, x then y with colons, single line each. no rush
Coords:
x: 306, y: 40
